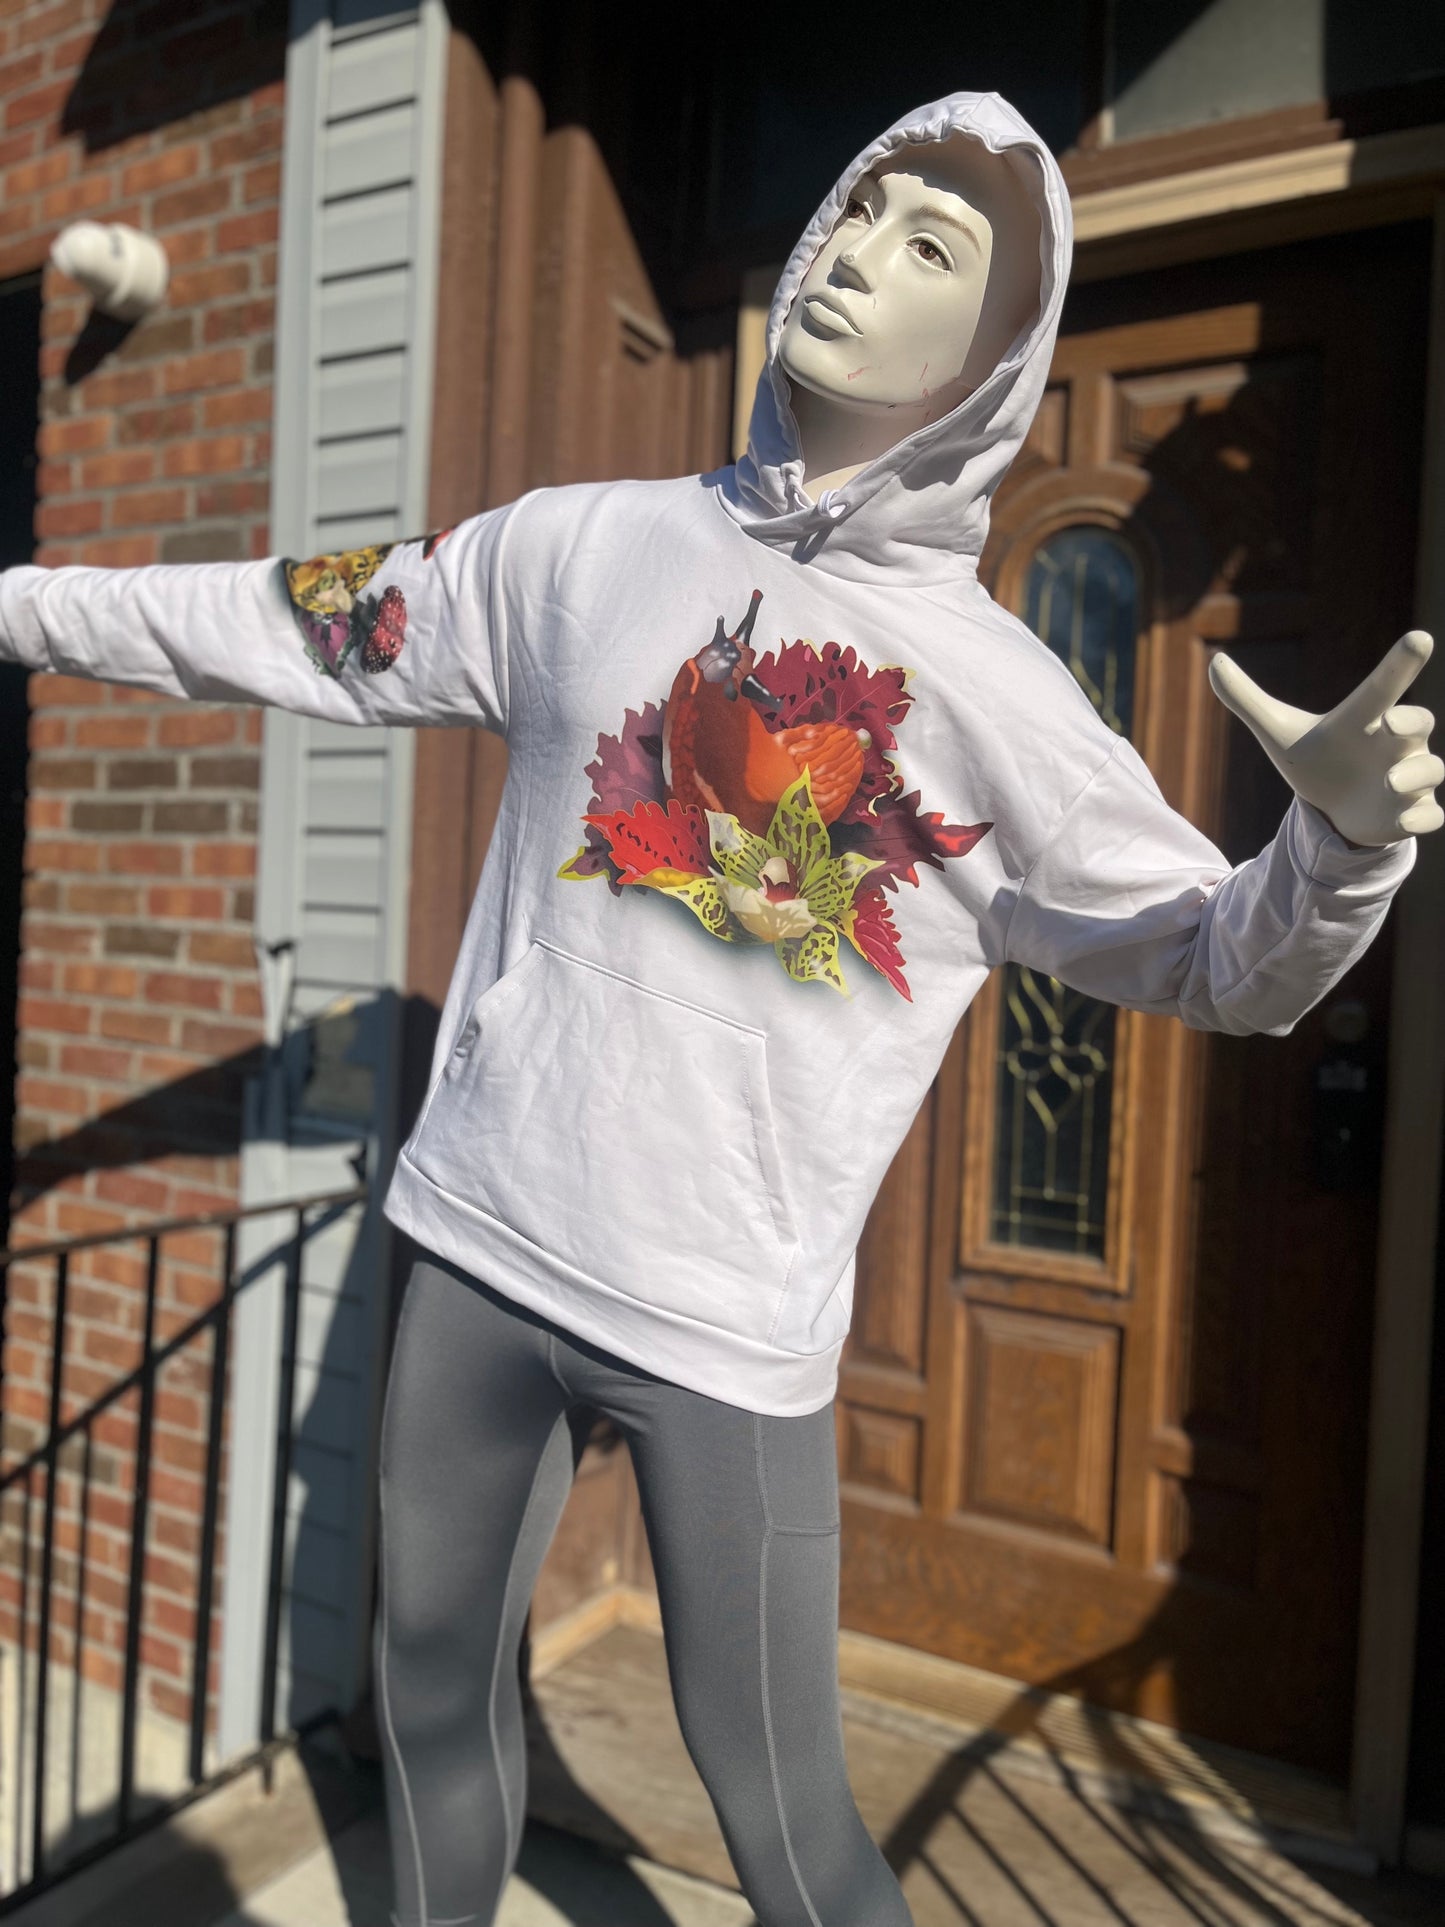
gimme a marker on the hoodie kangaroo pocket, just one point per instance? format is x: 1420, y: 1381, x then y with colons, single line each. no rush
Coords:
x: 624, y: 1130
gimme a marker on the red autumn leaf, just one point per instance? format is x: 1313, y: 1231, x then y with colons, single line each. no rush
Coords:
x: 831, y: 686
x: 877, y: 938
x: 900, y: 837
x: 652, y: 837
x: 626, y: 771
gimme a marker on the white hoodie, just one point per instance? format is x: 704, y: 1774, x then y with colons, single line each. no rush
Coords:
x: 727, y: 925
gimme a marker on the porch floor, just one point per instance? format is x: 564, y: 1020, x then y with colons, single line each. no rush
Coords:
x: 621, y: 1834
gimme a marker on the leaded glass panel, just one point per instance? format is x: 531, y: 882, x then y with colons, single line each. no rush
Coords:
x: 1056, y: 1047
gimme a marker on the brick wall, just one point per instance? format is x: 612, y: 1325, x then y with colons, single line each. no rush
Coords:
x: 139, y: 1004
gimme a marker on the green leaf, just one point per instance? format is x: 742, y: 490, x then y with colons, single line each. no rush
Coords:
x: 799, y: 831
x: 703, y: 897
x: 834, y: 884
x: 814, y: 957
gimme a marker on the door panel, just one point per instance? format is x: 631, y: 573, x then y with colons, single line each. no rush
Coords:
x: 1102, y: 1411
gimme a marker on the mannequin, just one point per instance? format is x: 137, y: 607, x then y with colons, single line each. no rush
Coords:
x: 647, y: 1153
x: 913, y: 300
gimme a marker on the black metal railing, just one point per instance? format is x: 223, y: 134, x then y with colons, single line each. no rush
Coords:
x: 216, y: 1318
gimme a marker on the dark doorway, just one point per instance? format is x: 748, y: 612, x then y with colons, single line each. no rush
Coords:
x: 19, y: 422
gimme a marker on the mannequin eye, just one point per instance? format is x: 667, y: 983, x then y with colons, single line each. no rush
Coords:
x: 856, y: 210
x: 932, y: 254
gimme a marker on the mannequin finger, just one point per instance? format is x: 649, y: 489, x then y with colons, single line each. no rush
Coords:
x: 1422, y: 817
x: 1388, y: 680
x: 1273, y: 722
x: 1410, y: 725
x: 1417, y: 772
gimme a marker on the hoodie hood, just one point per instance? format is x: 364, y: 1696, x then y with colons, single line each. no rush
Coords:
x: 921, y: 509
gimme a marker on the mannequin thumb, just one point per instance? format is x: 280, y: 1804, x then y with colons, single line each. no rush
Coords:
x: 1276, y: 724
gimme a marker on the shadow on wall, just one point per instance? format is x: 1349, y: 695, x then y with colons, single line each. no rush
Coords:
x: 159, y: 63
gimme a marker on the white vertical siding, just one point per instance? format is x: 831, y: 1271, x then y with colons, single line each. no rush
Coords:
x: 355, y: 326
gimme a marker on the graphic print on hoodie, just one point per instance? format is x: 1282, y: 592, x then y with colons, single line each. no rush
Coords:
x: 762, y: 796
x: 654, y: 1114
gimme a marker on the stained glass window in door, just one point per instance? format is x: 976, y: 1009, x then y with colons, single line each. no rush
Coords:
x: 1056, y: 1048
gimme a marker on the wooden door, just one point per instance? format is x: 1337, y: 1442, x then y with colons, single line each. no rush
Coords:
x: 1102, y: 1412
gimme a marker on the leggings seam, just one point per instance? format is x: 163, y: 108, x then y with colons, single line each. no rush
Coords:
x: 763, y: 1674
x: 511, y: 1847
x: 391, y: 1730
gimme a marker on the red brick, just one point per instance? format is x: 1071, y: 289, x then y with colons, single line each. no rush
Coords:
x: 214, y: 283
x: 247, y: 231
x: 229, y: 949
x: 235, y: 410
x: 157, y: 424
x: 113, y: 732
x: 18, y: 147
x: 85, y: 196
x: 21, y: 73
x: 240, y: 321
x: 151, y: 505
x: 56, y: 853
x: 195, y: 203
x: 114, y: 387
x: 232, y: 498
x: 87, y: 1060
x: 145, y: 1192
x: 102, y: 900
x: 166, y: 169
x: 120, y: 552
x: 62, y: 773
x: 47, y: 170
x: 218, y: 1040
x: 48, y: 1013
x: 200, y: 906
x: 68, y: 518
x: 48, y: 732
x: 174, y: 987
x: 122, y: 469
x: 261, y: 138
x: 52, y: 478
x: 223, y: 368
x: 143, y: 859
x: 216, y: 457
x: 261, y: 183
x: 37, y: 973
x: 65, y: 939
x: 99, y: 980
x: 185, y: 728
x: 77, y: 437
x: 39, y: 105
x: 46, y: 22
x: 245, y: 1001
x: 224, y: 860
x: 46, y: 813
x: 136, y: 1026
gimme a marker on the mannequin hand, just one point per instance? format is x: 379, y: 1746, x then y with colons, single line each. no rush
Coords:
x: 1366, y: 765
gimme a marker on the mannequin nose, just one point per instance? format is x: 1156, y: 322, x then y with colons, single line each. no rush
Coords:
x: 853, y: 264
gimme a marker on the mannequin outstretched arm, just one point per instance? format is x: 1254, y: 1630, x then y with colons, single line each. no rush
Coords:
x: 1131, y: 904
x: 410, y: 632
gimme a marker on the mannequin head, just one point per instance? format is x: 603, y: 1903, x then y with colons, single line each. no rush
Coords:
x: 929, y: 274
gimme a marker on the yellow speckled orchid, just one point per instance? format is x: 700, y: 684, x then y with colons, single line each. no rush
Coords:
x: 786, y: 888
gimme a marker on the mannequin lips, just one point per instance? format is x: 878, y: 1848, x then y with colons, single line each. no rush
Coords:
x: 833, y: 313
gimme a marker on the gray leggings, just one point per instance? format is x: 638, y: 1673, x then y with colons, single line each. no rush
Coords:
x: 486, y: 1407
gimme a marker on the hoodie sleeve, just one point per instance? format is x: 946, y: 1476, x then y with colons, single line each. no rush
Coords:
x: 1130, y: 903
x: 402, y: 632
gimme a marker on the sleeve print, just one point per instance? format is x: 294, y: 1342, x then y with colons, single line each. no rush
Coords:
x: 340, y: 619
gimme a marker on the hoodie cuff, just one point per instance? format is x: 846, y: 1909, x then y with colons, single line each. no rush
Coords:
x: 1323, y: 855
x: 22, y: 639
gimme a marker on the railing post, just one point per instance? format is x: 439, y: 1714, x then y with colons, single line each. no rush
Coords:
x: 47, y: 1561
x: 285, y: 1404
x: 220, y: 1349
x: 135, y: 1604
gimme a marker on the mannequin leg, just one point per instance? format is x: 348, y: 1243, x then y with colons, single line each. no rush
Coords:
x: 477, y: 1459
x: 742, y: 1519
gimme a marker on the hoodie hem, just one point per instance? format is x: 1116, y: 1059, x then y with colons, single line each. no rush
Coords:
x: 708, y: 1359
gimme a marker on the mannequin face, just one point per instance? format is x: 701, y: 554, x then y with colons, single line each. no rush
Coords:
x: 929, y: 274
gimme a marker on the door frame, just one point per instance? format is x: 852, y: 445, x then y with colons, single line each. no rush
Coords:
x: 1227, y: 209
